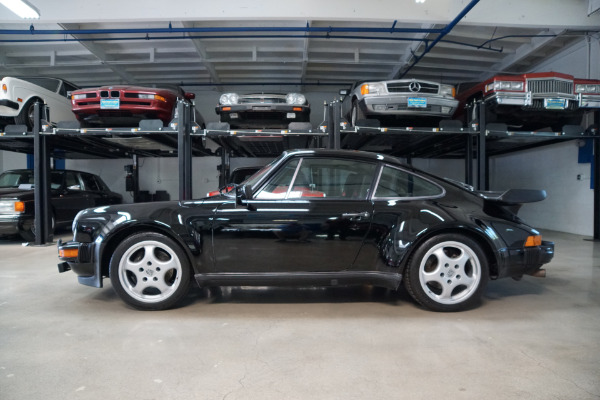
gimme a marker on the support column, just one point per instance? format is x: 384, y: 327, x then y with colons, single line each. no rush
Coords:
x: 184, y: 150
x: 596, y: 176
x: 482, y: 160
x: 41, y: 176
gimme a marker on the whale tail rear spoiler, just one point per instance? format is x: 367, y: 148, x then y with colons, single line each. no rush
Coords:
x: 513, y: 199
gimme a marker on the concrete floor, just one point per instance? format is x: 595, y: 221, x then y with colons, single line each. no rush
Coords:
x: 533, y: 339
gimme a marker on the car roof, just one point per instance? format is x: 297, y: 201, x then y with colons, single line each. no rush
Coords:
x: 364, y: 155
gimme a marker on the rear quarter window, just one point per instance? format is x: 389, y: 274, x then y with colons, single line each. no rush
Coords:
x: 397, y: 183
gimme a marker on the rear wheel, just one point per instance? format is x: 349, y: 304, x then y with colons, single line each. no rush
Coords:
x: 149, y: 271
x: 447, y: 273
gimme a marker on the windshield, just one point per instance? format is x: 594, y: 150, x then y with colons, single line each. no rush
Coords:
x: 12, y: 179
x: 257, y: 176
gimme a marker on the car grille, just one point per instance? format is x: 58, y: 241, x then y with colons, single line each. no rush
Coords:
x: 260, y: 100
x: 404, y: 87
x: 550, y: 86
x: 112, y: 93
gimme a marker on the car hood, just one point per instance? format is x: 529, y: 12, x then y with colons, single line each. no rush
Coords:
x: 16, y: 193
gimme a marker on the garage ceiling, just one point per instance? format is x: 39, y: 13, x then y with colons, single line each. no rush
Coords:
x: 276, y: 43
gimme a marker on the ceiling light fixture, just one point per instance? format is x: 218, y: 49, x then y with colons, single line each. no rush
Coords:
x: 22, y: 8
x: 419, y: 1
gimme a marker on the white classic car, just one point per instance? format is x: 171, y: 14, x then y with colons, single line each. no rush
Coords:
x: 415, y: 102
x: 18, y: 96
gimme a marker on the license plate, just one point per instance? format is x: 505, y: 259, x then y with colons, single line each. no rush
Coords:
x: 261, y: 108
x: 555, y: 104
x: 417, y: 102
x: 110, y: 104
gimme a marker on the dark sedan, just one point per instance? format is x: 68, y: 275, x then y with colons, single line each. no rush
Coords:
x: 70, y: 192
x: 314, y: 217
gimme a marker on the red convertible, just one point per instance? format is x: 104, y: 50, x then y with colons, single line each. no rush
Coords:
x: 531, y: 101
x: 127, y: 105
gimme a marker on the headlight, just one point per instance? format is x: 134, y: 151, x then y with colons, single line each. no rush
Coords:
x: 447, y: 90
x: 228, y: 99
x: 148, y: 96
x: 504, y: 85
x: 581, y: 88
x: 79, y: 96
x: 295, y: 98
x: 11, y: 206
x: 372, y: 88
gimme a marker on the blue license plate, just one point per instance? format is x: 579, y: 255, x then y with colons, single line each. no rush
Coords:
x: 555, y: 104
x: 417, y: 102
x: 110, y: 104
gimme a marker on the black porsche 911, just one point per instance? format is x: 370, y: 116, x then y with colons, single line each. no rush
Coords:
x: 314, y: 218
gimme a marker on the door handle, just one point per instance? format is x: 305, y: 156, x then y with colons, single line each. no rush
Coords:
x: 364, y: 214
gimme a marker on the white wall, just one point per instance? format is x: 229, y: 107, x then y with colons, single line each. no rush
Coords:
x: 12, y: 160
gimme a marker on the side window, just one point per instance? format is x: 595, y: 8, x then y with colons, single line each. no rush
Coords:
x: 89, y: 183
x: 398, y: 183
x: 56, y: 180
x: 278, y: 186
x: 72, y: 182
x: 333, y: 178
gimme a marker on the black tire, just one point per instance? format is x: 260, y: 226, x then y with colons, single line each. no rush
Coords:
x: 150, y: 271
x: 447, y: 273
x: 25, y: 117
x: 356, y: 114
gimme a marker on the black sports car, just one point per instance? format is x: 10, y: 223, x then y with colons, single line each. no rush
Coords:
x: 314, y: 217
x: 70, y: 192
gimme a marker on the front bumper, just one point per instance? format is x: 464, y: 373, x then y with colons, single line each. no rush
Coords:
x: 537, y: 101
x: 527, y: 260
x: 398, y: 104
x: 9, y: 108
x: 14, y: 224
x: 284, y: 113
x: 84, y: 265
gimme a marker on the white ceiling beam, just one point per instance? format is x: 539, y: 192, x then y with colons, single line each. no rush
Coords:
x: 522, y: 52
x: 97, y: 51
x: 204, y: 59
x: 488, y: 12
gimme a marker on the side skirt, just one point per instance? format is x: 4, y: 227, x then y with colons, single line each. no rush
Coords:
x: 343, y: 278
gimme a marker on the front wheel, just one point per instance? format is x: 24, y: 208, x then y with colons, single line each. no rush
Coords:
x: 150, y: 271
x: 356, y: 114
x: 447, y: 273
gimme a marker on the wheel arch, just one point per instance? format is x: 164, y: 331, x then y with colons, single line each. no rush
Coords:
x: 470, y: 232
x: 110, y: 244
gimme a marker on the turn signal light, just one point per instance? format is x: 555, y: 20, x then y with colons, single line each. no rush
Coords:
x: 19, y: 206
x: 297, y: 109
x: 68, y: 253
x: 364, y: 89
x: 226, y: 108
x: 533, y: 241
x: 4, y: 87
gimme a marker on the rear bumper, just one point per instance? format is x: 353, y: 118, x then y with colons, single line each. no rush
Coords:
x: 84, y: 265
x: 526, y: 261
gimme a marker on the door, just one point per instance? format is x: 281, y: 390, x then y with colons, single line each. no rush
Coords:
x: 311, y: 216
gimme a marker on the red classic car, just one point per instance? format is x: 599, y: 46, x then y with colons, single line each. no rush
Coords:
x: 530, y: 101
x: 127, y: 105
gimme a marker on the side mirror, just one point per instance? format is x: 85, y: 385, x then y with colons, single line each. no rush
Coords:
x: 344, y: 92
x: 242, y: 193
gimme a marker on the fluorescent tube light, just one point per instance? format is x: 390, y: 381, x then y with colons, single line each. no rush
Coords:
x: 22, y: 8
